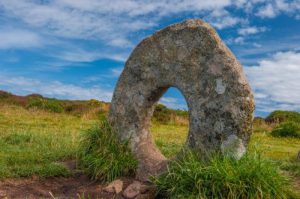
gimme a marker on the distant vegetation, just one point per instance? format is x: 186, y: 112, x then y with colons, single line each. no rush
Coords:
x: 45, y: 104
x: 283, y: 116
x: 86, y: 108
x: 162, y: 114
x: 286, y: 123
x: 287, y: 129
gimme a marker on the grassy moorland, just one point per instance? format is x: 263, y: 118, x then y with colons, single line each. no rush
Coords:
x: 33, y: 142
x: 37, y: 135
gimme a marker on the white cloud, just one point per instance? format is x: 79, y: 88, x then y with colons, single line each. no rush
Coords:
x: 267, y: 11
x: 116, y: 71
x: 174, y: 103
x: 17, y: 38
x: 112, y: 22
x: 55, y: 66
x: 81, y: 55
x: 120, y: 24
x: 68, y: 19
x: 237, y: 40
x: 272, y: 8
x: 121, y: 42
x: 168, y: 100
x: 251, y: 30
x: 276, y: 81
x: 257, y: 45
x: 109, y: 21
x: 243, y: 34
x: 221, y: 18
x: 113, y: 73
x: 22, y: 85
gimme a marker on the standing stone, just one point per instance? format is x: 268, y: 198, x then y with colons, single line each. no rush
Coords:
x: 191, y: 57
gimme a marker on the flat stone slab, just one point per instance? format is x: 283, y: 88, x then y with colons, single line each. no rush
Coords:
x: 191, y: 57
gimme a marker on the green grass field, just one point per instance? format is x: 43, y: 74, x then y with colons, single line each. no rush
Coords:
x: 35, y: 142
x: 170, y: 138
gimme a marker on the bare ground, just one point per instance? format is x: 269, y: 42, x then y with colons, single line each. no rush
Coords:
x: 77, y: 186
x: 56, y: 187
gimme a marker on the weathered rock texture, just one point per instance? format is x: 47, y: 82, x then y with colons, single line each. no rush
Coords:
x: 191, y: 57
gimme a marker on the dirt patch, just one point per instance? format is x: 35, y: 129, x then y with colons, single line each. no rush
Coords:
x: 77, y: 186
x: 56, y: 187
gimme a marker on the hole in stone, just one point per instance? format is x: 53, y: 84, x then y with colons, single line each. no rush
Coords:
x: 170, y: 122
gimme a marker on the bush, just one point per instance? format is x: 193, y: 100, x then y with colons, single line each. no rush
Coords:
x: 103, y: 157
x: 94, y: 103
x: 4, y: 95
x: 45, y: 104
x: 222, y: 177
x: 283, y: 116
x: 287, y: 129
x: 162, y: 114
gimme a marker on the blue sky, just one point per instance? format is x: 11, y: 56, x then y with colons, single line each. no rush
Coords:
x: 76, y: 49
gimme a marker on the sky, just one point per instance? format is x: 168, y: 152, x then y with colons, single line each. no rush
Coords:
x: 76, y: 49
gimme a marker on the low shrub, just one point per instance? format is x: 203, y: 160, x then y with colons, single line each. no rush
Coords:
x: 45, y: 104
x: 165, y: 115
x: 4, y: 95
x: 222, y: 177
x: 102, y: 156
x: 287, y: 129
x: 95, y: 103
x: 162, y: 114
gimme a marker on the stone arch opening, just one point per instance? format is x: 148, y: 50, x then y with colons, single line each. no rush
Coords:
x: 191, y: 57
x: 170, y: 122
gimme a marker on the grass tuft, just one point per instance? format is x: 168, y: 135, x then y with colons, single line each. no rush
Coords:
x: 222, y: 177
x: 103, y: 157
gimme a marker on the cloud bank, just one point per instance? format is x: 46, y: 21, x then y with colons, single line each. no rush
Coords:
x: 276, y: 82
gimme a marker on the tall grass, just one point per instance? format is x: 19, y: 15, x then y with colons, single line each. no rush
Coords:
x: 102, y: 156
x: 222, y: 177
